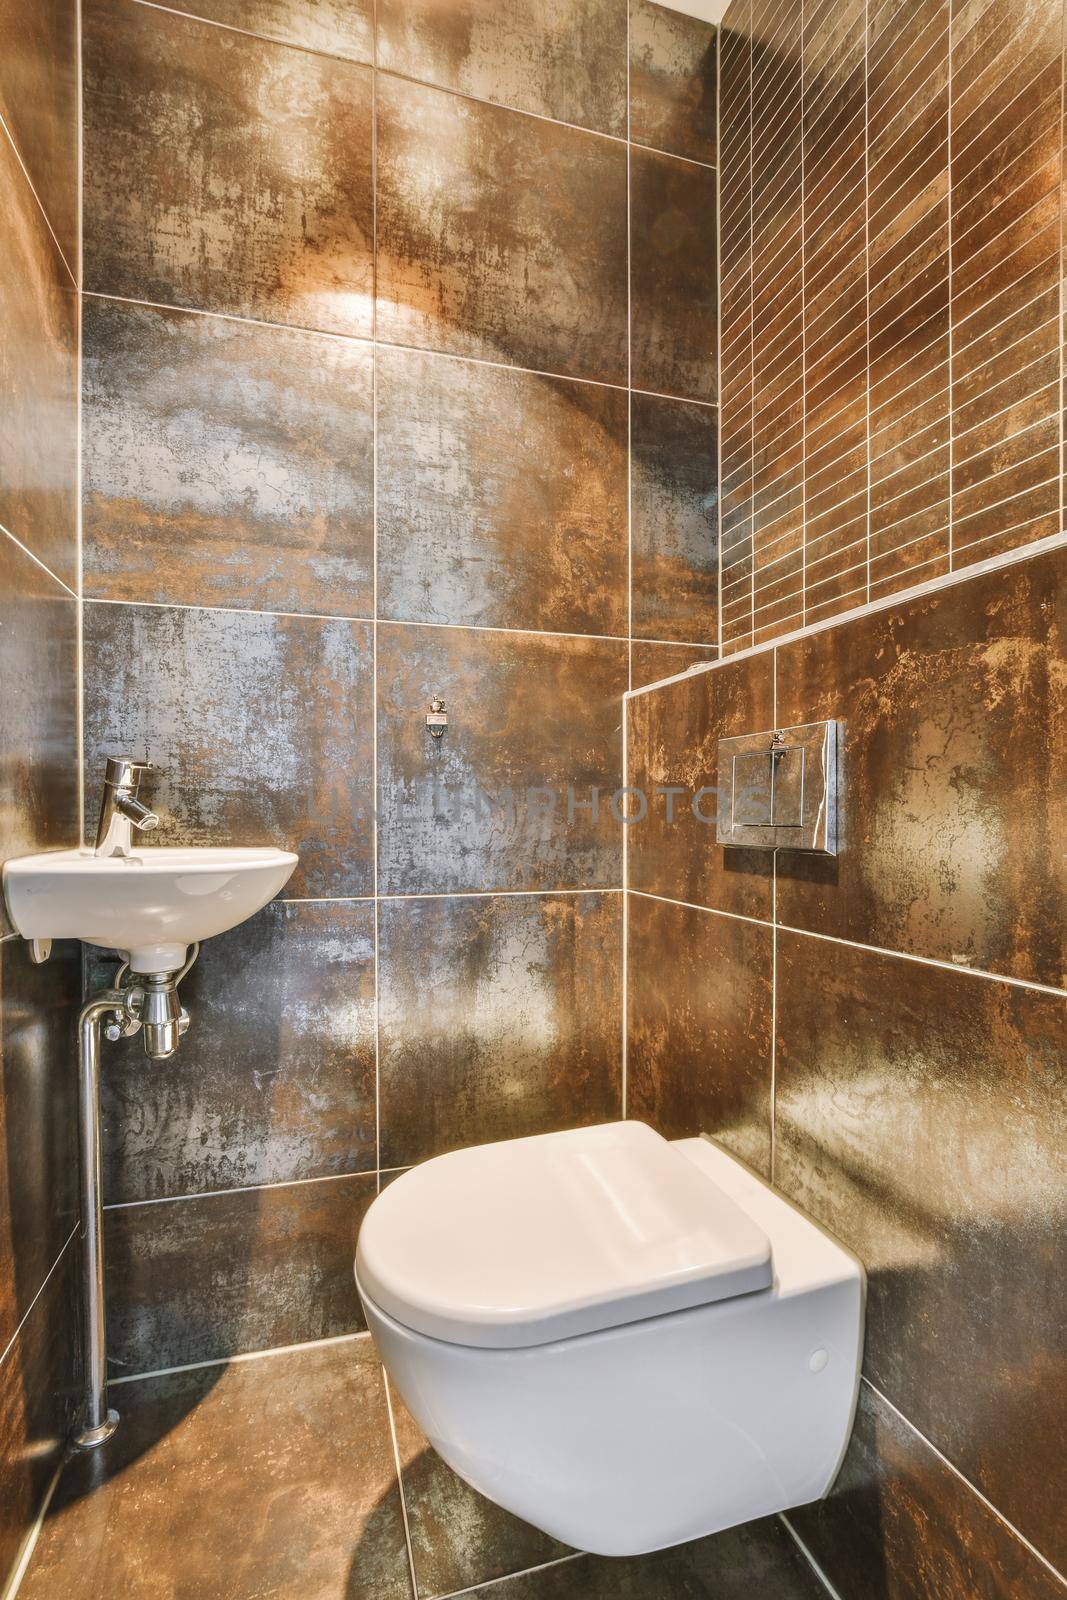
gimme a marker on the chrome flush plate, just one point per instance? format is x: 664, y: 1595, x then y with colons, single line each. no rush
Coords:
x: 778, y: 789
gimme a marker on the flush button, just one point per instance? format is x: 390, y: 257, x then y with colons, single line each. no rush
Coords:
x: 752, y: 789
x: 787, y: 788
x: 817, y: 1360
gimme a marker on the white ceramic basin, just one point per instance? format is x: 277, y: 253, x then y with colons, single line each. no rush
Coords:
x: 151, y: 904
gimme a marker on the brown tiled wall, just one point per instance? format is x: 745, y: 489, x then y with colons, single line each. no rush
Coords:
x: 884, y: 1033
x: 365, y: 298
x: 891, y: 266
x: 38, y: 740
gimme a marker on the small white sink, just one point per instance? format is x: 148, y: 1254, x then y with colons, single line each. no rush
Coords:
x: 151, y: 904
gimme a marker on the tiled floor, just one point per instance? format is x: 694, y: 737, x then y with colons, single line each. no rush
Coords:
x: 275, y: 1479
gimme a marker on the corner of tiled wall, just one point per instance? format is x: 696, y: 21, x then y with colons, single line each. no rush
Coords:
x: 38, y: 744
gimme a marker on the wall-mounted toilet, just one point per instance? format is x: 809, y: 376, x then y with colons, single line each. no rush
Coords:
x: 627, y: 1342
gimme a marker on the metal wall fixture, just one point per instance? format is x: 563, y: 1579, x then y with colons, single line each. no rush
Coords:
x: 436, y: 718
x: 778, y: 789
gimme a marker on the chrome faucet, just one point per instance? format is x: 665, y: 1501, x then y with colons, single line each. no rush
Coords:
x: 120, y: 809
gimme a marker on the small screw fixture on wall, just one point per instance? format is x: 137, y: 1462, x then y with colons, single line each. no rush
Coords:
x: 437, y: 718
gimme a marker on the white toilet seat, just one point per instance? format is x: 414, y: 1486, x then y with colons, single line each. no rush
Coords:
x: 652, y: 1426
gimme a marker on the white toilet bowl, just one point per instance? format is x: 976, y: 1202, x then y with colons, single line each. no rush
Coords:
x: 629, y: 1343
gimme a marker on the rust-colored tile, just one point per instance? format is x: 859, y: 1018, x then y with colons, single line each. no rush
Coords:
x: 673, y: 290
x: 260, y: 727
x: 336, y: 27
x: 39, y: 104
x: 699, y: 1031
x: 226, y: 464
x: 226, y: 173
x: 920, y: 1115
x: 212, y: 1276
x: 263, y: 1480
x: 672, y: 81
x: 38, y: 1120
x: 649, y: 662
x: 38, y: 380
x: 458, y: 1537
x: 39, y: 725
x: 501, y: 497
x: 498, y: 1017
x: 758, y: 1558
x: 674, y: 520
x: 564, y: 59
x: 673, y: 736
x: 38, y: 1404
x: 900, y: 1519
x: 951, y: 794
x: 504, y: 799
x: 275, y: 1079
x: 509, y: 245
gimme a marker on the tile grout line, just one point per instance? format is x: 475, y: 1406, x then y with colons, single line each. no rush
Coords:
x: 508, y: 1577
x: 70, y: 271
x: 304, y: 330
x: 440, y: 894
x: 809, y: 1558
x: 239, y: 1358
x: 40, y: 1291
x: 374, y: 600
x: 368, y: 621
x: 944, y: 1459
x: 624, y: 975
x: 246, y: 1188
x: 39, y: 563
x: 397, y: 76
x: 400, y: 1485
x: 855, y: 944
x: 29, y: 1542
x: 949, y: 580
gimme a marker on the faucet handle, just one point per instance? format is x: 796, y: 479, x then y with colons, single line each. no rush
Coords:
x: 123, y: 772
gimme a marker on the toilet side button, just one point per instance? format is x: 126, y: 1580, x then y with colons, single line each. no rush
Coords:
x: 818, y: 1359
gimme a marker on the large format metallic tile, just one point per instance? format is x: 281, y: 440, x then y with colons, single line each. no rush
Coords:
x: 201, y: 1279
x: 501, y: 497
x: 37, y: 1406
x: 39, y: 724
x: 673, y: 735
x: 225, y: 173
x: 336, y: 27
x: 275, y: 1079
x: 900, y: 1522
x: 499, y: 1016
x: 674, y: 506
x: 757, y: 1559
x: 672, y: 81
x: 564, y: 59
x: 699, y: 1030
x: 458, y: 1537
x: 264, y: 1480
x: 503, y: 800
x: 952, y: 795
x: 510, y: 244
x: 260, y: 726
x: 38, y: 1120
x: 39, y: 104
x: 38, y: 379
x: 921, y: 1116
x: 226, y: 464
x: 673, y: 291
x: 651, y: 662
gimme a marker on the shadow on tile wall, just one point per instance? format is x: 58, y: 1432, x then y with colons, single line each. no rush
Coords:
x: 911, y: 1097
x: 38, y: 742
x: 324, y: 481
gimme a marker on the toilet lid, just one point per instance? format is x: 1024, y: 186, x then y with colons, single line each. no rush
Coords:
x: 534, y: 1240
